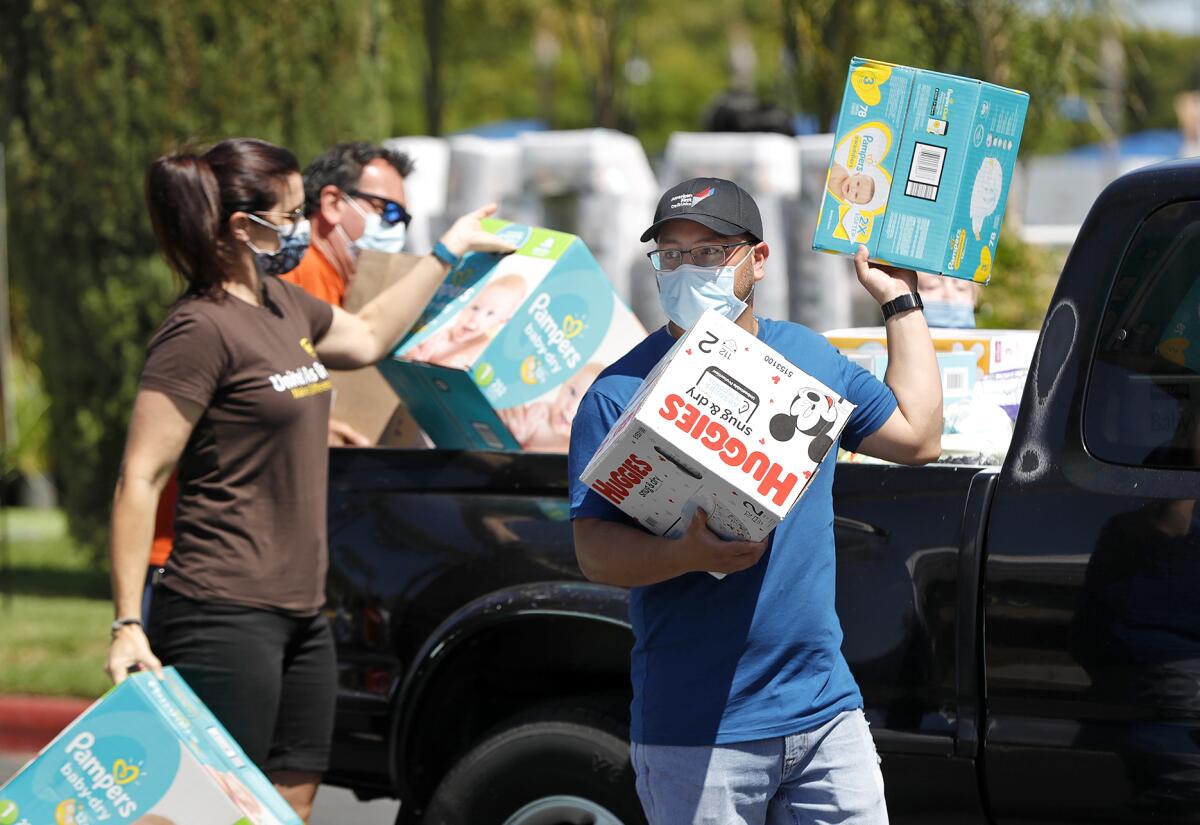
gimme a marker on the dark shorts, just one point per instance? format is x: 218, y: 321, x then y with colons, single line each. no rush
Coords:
x: 270, y: 678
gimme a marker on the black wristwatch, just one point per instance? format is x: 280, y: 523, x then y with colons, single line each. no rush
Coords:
x: 910, y: 300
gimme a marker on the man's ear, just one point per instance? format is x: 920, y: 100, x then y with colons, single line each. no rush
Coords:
x: 329, y: 204
x: 761, y: 252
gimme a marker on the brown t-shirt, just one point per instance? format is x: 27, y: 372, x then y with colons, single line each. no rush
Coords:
x: 250, y: 523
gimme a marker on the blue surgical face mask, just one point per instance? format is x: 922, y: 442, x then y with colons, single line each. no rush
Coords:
x: 949, y: 314
x: 377, y: 235
x: 686, y: 292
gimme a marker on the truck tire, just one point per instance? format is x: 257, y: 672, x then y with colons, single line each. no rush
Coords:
x: 549, y: 767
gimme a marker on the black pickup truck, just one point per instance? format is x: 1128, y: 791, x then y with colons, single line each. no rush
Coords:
x: 1027, y: 638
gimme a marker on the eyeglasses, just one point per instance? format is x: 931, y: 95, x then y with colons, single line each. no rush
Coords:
x: 391, y: 212
x: 285, y: 230
x: 665, y: 260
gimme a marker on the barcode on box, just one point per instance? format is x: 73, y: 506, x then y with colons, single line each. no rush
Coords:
x: 954, y: 380
x: 925, y: 172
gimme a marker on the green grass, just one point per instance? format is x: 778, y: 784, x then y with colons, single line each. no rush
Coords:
x: 54, y: 609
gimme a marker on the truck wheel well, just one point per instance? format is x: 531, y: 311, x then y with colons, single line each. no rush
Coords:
x: 501, y: 672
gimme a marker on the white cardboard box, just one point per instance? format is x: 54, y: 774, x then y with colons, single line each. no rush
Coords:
x: 722, y: 423
x: 997, y: 350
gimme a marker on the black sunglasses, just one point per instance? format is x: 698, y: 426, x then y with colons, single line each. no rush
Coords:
x: 392, y: 212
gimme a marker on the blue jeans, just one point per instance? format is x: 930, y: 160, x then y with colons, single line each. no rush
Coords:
x: 826, y: 775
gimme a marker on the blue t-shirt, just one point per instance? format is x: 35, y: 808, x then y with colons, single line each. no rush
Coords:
x: 758, y: 653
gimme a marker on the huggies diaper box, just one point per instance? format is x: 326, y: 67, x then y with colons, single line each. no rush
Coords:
x: 147, y: 753
x: 505, y: 350
x: 723, y: 423
x: 921, y: 169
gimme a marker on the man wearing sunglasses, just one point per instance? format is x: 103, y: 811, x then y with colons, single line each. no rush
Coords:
x: 744, y: 709
x: 354, y: 198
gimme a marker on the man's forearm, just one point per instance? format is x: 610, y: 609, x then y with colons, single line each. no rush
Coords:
x: 912, y: 374
x: 613, y: 553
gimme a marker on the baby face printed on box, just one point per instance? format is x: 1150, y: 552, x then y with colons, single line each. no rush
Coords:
x: 147, y: 753
x: 510, y: 343
x: 921, y: 168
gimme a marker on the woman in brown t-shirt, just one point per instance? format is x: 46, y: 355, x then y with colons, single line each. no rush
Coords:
x: 235, y: 391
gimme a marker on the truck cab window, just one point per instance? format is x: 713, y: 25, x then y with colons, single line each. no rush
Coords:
x: 1143, y: 396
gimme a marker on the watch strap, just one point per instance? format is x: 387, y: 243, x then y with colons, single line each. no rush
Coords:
x: 910, y: 300
x: 443, y: 254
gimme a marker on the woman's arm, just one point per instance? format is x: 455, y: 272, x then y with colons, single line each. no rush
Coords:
x: 365, y: 337
x: 158, y: 431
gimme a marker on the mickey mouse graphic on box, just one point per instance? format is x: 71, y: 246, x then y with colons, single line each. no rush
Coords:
x: 723, y: 423
x: 921, y: 168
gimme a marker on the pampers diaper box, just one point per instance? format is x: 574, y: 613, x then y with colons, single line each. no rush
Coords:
x: 921, y: 168
x: 148, y: 753
x: 505, y: 350
x: 723, y: 423
x: 995, y: 350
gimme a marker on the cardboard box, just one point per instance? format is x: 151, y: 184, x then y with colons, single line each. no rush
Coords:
x: 921, y: 169
x: 505, y: 350
x: 958, y: 370
x: 363, y: 398
x: 147, y: 752
x: 724, y: 423
x: 996, y: 350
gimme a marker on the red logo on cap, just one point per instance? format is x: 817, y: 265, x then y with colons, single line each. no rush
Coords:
x: 688, y: 201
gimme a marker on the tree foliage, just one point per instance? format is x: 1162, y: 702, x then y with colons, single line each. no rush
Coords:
x: 92, y: 90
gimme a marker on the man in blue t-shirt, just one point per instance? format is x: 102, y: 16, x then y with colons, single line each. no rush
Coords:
x: 744, y: 710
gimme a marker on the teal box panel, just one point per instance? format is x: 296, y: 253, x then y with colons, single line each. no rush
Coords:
x: 507, y: 347
x: 146, y: 747
x: 449, y: 406
x: 921, y: 168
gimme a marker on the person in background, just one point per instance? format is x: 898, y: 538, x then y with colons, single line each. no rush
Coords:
x: 235, y: 393
x: 949, y: 302
x: 354, y: 199
x: 164, y: 537
x: 744, y: 709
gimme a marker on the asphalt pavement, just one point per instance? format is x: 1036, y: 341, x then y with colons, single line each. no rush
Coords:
x: 335, y: 806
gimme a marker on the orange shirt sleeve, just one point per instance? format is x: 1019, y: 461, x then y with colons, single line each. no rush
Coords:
x: 316, y: 276
x: 164, y: 524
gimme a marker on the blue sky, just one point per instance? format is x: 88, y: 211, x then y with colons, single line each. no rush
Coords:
x: 1177, y: 15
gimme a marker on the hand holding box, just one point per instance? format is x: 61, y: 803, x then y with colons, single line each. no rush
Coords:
x: 724, y: 424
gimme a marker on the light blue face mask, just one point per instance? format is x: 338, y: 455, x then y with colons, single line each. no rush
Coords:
x: 949, y: 314
x: 377, y: 235
x: 686, y: 292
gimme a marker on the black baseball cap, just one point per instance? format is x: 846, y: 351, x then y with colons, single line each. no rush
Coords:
x: 721, y: 205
